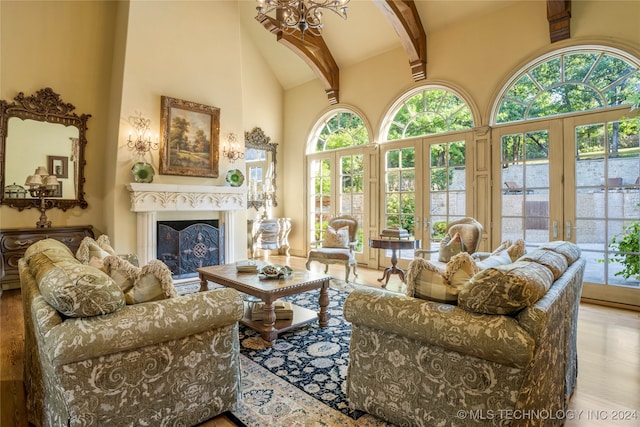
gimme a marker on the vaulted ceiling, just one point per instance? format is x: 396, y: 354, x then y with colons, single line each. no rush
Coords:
x: 372, y: 27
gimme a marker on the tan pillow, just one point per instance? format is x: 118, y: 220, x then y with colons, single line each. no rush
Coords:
x: 153, y: 283
x: 336, y: 238
x: 505, y: 289
x: 121, y: 271
x: 429, y: 281
x: 459, y: 270
x: 50, y: 246
x: 105, y: 244
x: 516, y: 250
x: 449, y: 247
x: 554, y: 261
x: 503, y: 246
x: 571, y: 251
x: 90, y: 248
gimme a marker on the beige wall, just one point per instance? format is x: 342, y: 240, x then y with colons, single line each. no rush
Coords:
x: 131, y: 54
x: 476, y: 57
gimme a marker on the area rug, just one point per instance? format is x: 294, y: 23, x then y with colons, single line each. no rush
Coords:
x: 300, y: 380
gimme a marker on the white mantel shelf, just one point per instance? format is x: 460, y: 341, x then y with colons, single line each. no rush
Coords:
x: 176, y: 198
x: 149, y: 199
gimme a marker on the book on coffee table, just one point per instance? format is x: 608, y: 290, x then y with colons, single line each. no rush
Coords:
x: 246, y: 267
x: 283, y: 310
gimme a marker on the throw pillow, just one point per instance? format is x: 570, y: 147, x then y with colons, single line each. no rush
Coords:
x: 105, y: 244
x: 90, y: 248
x: 152, y: 283
x: 555, y: 262
x: 429, y: 281
x: 78, y: 290
x: 501, y: 258
x: 336, y: 238
x: 516, y: 250
x: 49, y: 246
x: 505, y: 289
x: 571, y: 251
x: 459, y: 270
x: 449, y: 247
x: 121, y: 271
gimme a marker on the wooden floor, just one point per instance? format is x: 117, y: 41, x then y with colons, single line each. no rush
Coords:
x: 608, y: 352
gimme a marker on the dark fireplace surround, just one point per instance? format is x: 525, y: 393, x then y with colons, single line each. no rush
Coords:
x: 185, y: 245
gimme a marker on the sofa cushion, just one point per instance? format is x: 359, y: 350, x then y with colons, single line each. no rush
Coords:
x: 50, y: 246
x: 450, y: 246
x: 336, y: 238
x: 75, y: 289
x: 554, y: 261
x: 505, y: 289
x: 88, y: 249
x: 121, y: 271
x: 428, y: 281
x: 569, y: 250
x: 152, y: 283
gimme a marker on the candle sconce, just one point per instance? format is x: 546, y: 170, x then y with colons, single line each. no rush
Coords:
x: 41, y: 186
x: 232, y: 151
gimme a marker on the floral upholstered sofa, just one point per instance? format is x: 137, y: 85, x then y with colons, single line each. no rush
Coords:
x: 503, y: 354
x: 93, y: 360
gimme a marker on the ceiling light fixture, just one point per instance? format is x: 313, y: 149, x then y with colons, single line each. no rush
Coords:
x: 302, y: 15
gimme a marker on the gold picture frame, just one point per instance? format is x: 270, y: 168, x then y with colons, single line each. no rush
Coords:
x: 189, y: 138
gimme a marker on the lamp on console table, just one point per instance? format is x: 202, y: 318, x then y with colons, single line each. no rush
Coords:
x: 42, y: 185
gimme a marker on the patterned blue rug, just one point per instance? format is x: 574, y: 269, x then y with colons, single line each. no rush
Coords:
x: 309, y: 357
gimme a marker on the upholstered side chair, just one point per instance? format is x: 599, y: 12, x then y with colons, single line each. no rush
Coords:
x: 328, y: 251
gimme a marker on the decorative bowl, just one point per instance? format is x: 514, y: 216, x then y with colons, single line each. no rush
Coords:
x: 275, y: 272
x: 142, y: 172
x: 235, y: 177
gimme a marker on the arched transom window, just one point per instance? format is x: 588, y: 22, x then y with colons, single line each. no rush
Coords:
x: 428, y: 111
x: 586, y: 79
x: 339, y: 129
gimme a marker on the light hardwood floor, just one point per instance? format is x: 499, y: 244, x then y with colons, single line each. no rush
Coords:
x: 608, y: 353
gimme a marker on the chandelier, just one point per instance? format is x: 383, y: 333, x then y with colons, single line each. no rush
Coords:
x: 302, y: 15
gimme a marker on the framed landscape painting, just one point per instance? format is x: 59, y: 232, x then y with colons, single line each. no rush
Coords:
x: 189, y: 138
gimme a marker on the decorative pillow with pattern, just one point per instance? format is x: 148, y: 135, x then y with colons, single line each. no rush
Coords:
x: 506, y: 289
x: 516, y: 250
x: 153, y: 283
x: 571, y: 251
x: 77, y: 290
x: 449, y: 247
x: 121, y: 271
x: 50, y: 246
x: 428, y: 281
x: 554, y: 261
x: 90, y: 248
x: 336, y: 238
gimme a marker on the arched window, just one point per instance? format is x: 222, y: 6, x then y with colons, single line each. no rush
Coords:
x: 571, y: 81
x: 339, y: 129
x: 427, y: 111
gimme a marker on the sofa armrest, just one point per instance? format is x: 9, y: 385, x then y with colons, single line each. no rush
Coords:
x: 140, y: 325
x: 498, y: 339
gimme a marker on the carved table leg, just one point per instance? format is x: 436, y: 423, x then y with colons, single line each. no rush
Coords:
x: 323, y: 314
x: 269, y: 333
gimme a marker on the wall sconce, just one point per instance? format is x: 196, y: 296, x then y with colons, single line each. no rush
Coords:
x: 42, y: 185
x: 232, y: 151
x: 142, y: 142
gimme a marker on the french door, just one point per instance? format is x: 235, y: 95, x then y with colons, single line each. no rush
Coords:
x: 336, y: 187
x: 425, y: 187
x: 574, y: 179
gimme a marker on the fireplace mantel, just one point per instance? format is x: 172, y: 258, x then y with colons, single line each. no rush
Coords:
x: 149, y: 199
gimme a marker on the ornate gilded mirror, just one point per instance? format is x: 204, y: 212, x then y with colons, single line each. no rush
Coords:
x: 260, y: 160
x: 42, y: 130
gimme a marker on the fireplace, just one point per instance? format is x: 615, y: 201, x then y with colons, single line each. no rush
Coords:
x: 186, y: 245
x: 148, y: 200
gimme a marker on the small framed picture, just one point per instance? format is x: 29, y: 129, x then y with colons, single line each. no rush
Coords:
x: 58, y: 191
x: 58, y: 166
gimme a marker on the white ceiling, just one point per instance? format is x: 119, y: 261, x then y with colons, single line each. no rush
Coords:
x: 365, y: 33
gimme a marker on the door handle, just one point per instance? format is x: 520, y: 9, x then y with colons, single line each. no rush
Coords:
x: 567, y: 230
x: 427, y: 224
x: 555, y: 229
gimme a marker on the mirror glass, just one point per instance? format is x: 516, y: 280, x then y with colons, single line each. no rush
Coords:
x: 260, y: 160
x: 41, y: 130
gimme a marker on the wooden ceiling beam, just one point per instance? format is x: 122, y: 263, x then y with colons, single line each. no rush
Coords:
x: 313, y: 50
x: 559, y: 17
x: 405, y: 20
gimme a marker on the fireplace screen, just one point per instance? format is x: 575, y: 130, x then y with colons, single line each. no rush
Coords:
x: 185, y: 246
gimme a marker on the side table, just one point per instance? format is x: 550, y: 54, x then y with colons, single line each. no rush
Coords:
x: 394, y: 245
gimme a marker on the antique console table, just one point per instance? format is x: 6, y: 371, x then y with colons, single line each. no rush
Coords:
x: 270, y: 234
x: 15, y: 241
x: 394, y: 245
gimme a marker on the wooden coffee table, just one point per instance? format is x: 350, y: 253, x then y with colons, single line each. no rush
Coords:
x: 269, y: 290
